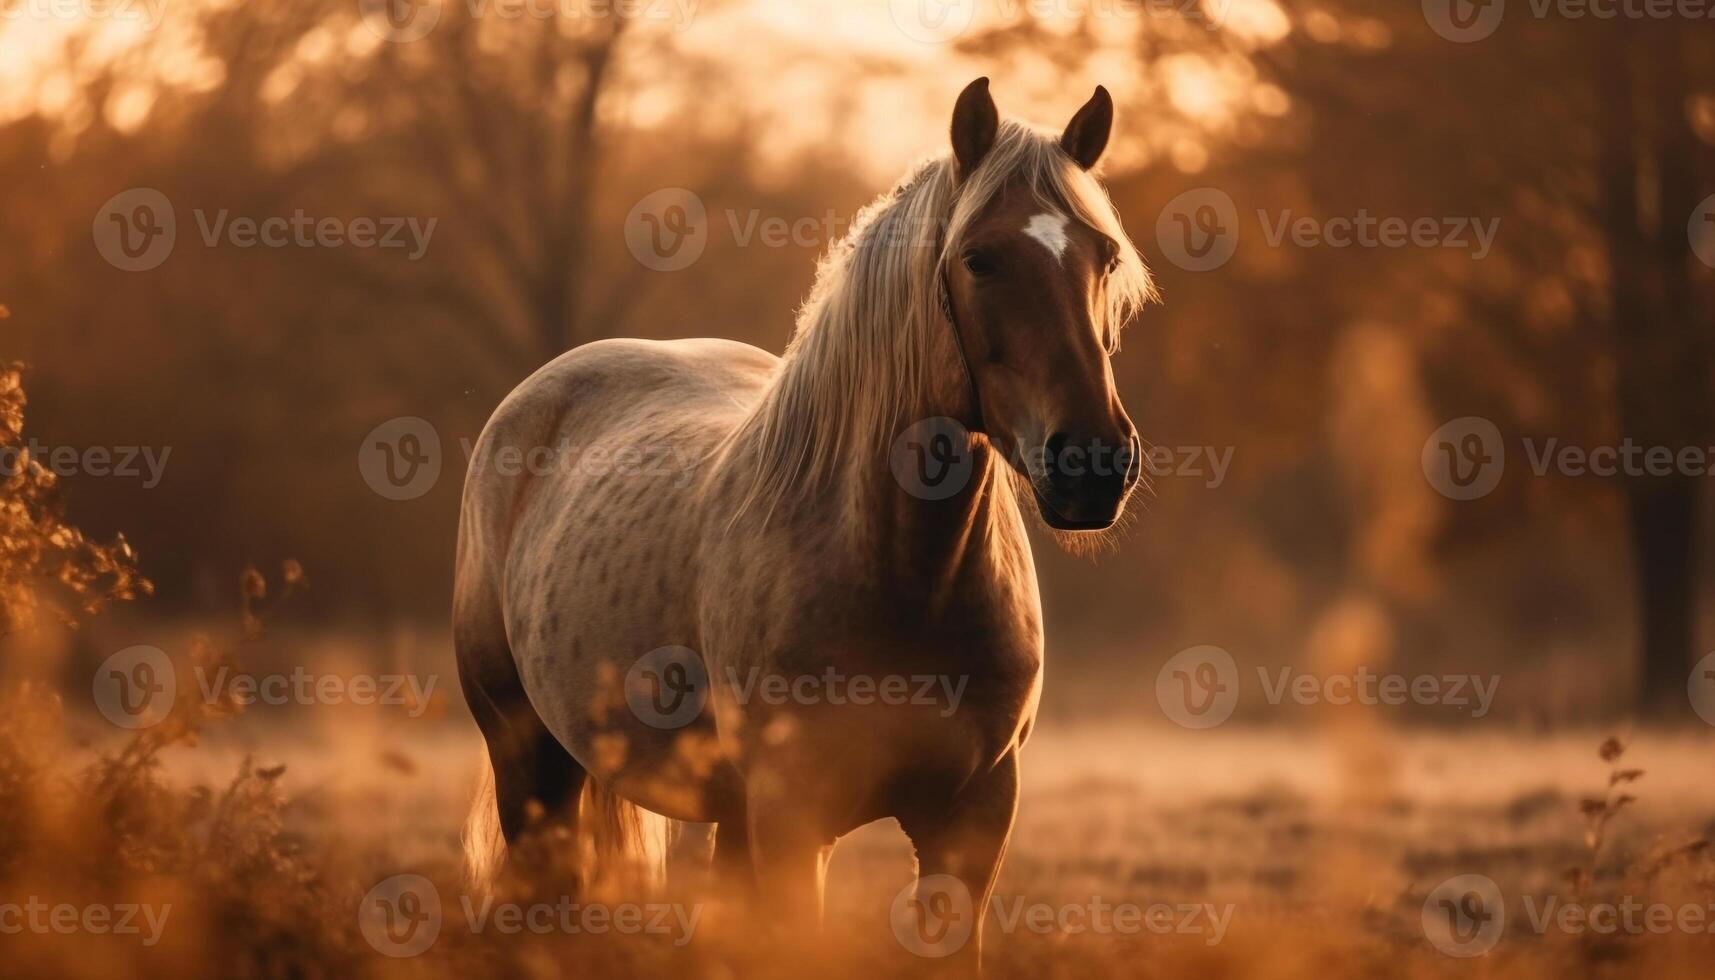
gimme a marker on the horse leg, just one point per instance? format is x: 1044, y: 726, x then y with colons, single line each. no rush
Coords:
x: 790, y: 858
x: 964, y: 841
x: 536, y: 782
x: 735, y: 870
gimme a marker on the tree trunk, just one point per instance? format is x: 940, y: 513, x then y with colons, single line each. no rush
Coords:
x: 1663, y: 513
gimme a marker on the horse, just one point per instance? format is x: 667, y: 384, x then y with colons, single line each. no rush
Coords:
x: 849, y: 515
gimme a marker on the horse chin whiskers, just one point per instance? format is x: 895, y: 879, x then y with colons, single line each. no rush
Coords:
x: 1092, y: 543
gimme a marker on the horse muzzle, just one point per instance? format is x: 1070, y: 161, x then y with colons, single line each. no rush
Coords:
x: 1082, y: 481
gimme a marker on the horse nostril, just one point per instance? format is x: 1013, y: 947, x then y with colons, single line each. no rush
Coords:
x: 1058, y: 465
x: 1129, y: 462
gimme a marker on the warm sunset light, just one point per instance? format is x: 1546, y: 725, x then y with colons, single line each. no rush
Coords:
x: 740, y: 489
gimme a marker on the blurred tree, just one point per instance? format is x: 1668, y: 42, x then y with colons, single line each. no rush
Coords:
x: 1579, y: 134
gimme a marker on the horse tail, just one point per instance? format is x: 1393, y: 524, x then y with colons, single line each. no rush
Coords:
x: 623, y: 838
x: 484, y: 846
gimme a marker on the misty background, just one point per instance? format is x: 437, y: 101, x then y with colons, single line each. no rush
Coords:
x: 1318, y: 372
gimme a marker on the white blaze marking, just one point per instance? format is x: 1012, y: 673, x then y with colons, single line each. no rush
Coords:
x: 1050, y: 230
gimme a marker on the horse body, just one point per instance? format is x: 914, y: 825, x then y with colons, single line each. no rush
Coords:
x: 646, y: 481
x: 701, y: 516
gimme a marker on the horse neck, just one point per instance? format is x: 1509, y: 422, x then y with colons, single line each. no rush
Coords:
x: 916, y: 545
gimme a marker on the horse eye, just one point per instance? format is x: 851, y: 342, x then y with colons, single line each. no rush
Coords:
x: 978, y: 263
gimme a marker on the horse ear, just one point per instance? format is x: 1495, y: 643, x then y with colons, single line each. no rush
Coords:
x: 1086, y: 136
x: 975, y: 122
